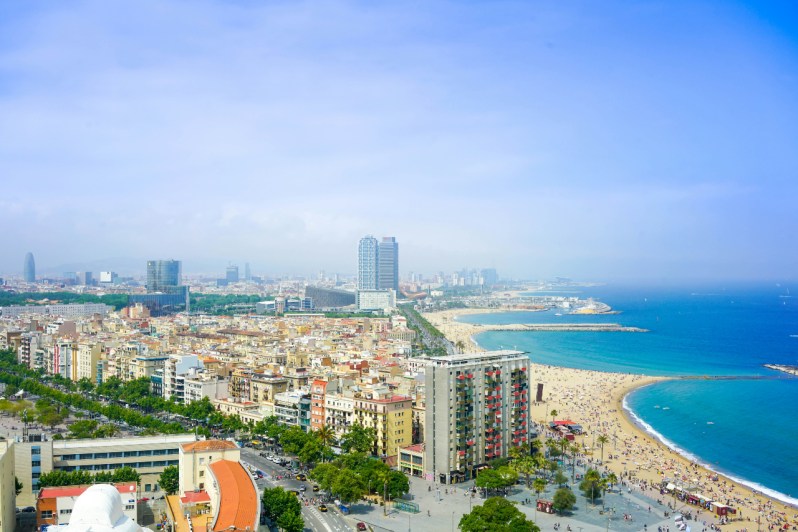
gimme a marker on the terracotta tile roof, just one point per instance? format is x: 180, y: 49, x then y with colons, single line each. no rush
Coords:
x: 76, y: 491
x: 238, y: 505
x: 208, y: 445
x: 195, y: 496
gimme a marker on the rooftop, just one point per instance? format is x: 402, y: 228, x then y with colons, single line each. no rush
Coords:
x: 475, y: 357
x: 238, y: 505
x: 76, y: 491
x: 208, y: 445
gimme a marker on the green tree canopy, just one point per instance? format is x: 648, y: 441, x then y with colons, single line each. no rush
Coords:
x: 496, y: 514
x: 169, y: 480
x: 277, y: 502
x: 348, y: 486
x: 564, y: 500
x: 359, y: 439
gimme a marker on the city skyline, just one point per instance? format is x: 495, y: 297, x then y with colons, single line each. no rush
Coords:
x: 648, y: 141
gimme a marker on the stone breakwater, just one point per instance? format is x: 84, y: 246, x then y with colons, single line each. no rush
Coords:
x: 792, y: 370
x: 591, y: 327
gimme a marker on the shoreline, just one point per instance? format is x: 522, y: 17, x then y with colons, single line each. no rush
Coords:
x: 597, y: 400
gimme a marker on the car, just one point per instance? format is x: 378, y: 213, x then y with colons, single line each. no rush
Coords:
x: 295, y: 492
x: 315, y: 488
x: 362, y: 526
x: 322, y: 507
x: 143, y: 499
x: 303, y: 488
x: 302, y: 477
x: 29, y: 509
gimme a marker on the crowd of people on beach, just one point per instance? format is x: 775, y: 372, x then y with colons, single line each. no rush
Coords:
x: 593, y: 400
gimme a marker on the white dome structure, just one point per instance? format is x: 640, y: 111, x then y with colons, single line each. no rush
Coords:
x: 99, y: 509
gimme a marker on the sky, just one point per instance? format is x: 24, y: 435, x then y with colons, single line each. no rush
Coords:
x: 596, y: 140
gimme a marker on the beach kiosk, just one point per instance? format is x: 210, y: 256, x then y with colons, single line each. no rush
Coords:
x: 722, y: 509
x: 545, y: 506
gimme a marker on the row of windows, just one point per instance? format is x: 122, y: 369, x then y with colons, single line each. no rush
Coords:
x: 120, y: 454
x: 135, y: 465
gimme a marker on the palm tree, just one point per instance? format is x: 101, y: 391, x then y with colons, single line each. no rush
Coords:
x: 538, y: 485
x: 574, y: 449
x: 594, y: 478
x: 611, y: 479
x: 553, y: 414
x: 535, y: 446
x: 601, y: 441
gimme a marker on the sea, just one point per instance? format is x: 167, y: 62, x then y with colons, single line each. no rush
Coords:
x: 744, y: 425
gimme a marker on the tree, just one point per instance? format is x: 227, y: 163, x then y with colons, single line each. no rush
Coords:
x: 312, y: 451
x: 560, y: 478
x: 18, y: 485
x: 397, y: 484
x: 293, y: 439
x: 489, y: 479
x: 496, y: 514
x: 591, y: 484
x: 508, y: 476
x: 324, y: 475
x: 525, y: 466
x: 359, y: 439
x: 291, y: 521
x: 348, y: 486
x: 277, y: 502
x: 553, y: 415
x: 574, y: 451
x: 539, y: 485
x: 601, y: 440
x: 326, y: 435
x: 563, y: 500
x: 170, y: 480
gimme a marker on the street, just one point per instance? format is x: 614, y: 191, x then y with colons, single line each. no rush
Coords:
x: 330, y: 521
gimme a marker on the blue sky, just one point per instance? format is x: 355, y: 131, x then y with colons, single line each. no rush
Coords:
x: 601, y: 140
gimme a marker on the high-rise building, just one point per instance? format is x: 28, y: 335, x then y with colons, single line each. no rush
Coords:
x: 232, y: 274
x: 85, y: 278
x: 29, y: 269
x: 367, y: 273
x: 247, y: 272
x: 477, y: 408
x: 388, y: 264
x: 162, y: 274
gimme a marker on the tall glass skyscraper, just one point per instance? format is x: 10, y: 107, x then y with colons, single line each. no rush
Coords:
x: 29, y: 269
x: 388, y: 264
x: 163, y: 274
x: 378, y: 264
x: 367, y: 277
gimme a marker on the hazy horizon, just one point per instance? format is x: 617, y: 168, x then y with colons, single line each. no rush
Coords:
x: 652, y: 140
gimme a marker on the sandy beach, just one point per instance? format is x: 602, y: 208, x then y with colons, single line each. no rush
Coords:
x: 594, y: 400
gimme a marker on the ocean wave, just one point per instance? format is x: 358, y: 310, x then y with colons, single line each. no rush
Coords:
x: 648, y: 429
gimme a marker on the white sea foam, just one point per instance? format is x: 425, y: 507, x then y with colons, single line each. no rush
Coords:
x: 693, y: 458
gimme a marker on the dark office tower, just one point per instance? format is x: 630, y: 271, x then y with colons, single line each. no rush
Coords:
x: 367, y: 263
x: 29, y: 269
x: 388, y: 264
x: 232, y: 274
x: 162, y: 274
x: 247, y: 272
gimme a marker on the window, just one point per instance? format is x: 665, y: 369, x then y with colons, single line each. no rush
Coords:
x: 100, y: 455
x: 47, y: 514
x: 67, y: 457
x: 201, y: 461
x: 35, y: 450
x: 65, y: 511
x: 129, y: 507
x: 114, y: 455
x: 202, y: 472
x: 147, y: 487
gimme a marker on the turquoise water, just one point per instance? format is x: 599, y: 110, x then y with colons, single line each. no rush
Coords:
x: 745, y: 428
